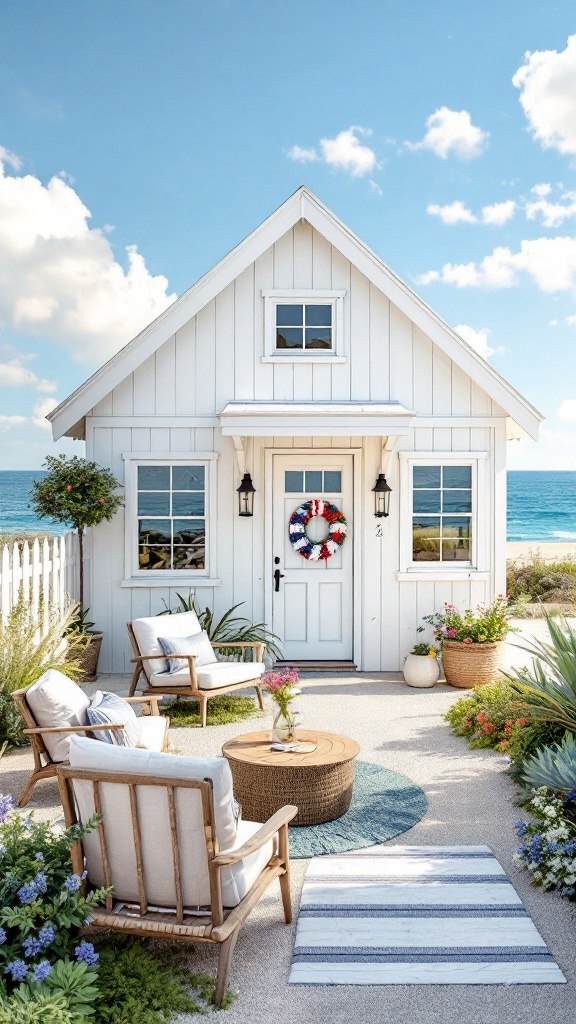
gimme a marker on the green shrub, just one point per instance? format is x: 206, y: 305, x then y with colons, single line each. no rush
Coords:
x: 150, y: 987
x: 538, y: 580
x: 548, y: 688
x: 495, y: 716
x: 553, y: 767
x: 35, y: 1008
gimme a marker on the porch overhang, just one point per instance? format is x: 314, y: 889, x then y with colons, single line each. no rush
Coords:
x: 315, y: 419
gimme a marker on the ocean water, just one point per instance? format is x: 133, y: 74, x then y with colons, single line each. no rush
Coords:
x: 16, y: 516
x: 541, y: 505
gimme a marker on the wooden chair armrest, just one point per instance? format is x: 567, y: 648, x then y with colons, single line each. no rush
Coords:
x: 71, y: 728
x: 268, y: 830
x: 152, y: 701
x: 164, y: 657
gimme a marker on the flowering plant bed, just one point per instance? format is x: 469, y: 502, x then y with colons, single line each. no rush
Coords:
x: 484, y: 625
x: 548, y: 848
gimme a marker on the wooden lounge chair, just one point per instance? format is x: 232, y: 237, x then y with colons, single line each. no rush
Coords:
x: 181, y: 865
x: 201, y: 682
x: 54, y: 708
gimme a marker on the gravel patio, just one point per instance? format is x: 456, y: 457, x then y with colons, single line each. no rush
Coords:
x: 470, y: 802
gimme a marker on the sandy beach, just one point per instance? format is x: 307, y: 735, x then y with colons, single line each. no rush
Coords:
x: 548, y: 550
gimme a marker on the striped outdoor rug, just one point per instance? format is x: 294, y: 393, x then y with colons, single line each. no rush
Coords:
x: 416, y: 915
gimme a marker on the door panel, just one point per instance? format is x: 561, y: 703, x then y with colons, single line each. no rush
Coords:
x: 312, y: 610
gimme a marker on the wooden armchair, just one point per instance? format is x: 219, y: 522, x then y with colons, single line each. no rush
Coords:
x: 201, y: 682
x: 54, y: 698
x: 181, y: 866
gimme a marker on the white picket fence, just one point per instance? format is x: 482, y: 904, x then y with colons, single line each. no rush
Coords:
x: 44, y: 573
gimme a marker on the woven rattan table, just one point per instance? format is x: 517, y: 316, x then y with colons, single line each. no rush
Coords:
x: 318, y: 783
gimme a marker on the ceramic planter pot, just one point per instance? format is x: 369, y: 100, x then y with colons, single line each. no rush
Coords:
x: 421, y: 670
x: 469, y: 665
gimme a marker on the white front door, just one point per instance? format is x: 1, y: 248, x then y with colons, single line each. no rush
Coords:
x: 312, y: 605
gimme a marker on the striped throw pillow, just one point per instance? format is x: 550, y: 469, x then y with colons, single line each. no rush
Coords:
x: 199, y: 644
x: 108, y: 708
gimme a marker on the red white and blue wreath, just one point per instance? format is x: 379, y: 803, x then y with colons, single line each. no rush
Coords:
x: 337, y: 530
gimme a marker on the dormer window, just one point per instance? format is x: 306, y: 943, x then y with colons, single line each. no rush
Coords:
x: 304, y: 325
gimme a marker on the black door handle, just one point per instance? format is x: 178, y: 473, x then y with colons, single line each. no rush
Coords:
x: 277, y: 577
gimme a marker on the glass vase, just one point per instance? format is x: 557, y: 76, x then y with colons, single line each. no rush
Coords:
x: 283, y: 727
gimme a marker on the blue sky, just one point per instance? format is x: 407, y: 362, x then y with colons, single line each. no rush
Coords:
x: 141, y: 141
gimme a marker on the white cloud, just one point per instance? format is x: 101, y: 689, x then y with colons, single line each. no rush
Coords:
x: 570, y: 320
x: 452, y: 132
x: 555, y: 449
x: 549, y: 262
x: 478, y: 340
x: 375, y: 187
x: 498, y: 213
x: 346, y: 153
x: 41, y: 410
x: 547, y: 84
x: 7, y: 157
x: 14, y: 375
x: 60, y: 279
x: 542, y: 190
x: 567, y: 410
x: 452, y: 213
x: 301, y: 155
x: 553, y: 213
x: 6, y: 422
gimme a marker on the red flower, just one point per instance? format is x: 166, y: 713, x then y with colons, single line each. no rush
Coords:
x: 102, y: 501
x: 520, y: 721
x: 481, y: 718
x: 467, y: 640
x: 69, y: 488
x: 488, y: 727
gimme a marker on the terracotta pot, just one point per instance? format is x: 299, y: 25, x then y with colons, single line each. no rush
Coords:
x: 421, y: 670
x: 469, y: 665
x: 89, y: 657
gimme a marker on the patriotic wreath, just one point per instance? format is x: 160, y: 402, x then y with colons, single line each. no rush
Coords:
x: 337, y: 530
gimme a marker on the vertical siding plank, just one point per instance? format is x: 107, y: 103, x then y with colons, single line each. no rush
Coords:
x: 244, y: 335
x: 141, y: 439
x: 461, y: 388
x: 441, y: 383
x: 160, y: 439
x: 145, y: 388
x: 321, y: 261
x: 359, y: 336
x: 185, y: 360
x: 400, y: 358
x: 379, y: 346
x: 263, y: 280
x: 166, y: 378
x: 179, y: 439
x: 123, y: 397
x: 205, y: 371
x: 225, y: 344
x: 302, y: 255
x: 480, y: 404
x: 422, y: 371
x: 341, y: 371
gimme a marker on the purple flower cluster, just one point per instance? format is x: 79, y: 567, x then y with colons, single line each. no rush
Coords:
x: 18, y: 969
x: 7, y: 805
x: 86, y: 953
x: 72, y: 883
x: 3, y: 936
x: 35, y: 944
x: 30, y: 890
x: 41, y: 970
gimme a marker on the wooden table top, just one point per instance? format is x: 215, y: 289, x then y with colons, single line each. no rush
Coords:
x: 254, y: 748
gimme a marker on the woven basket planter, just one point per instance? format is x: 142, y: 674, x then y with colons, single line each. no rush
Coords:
x: 469, y: 665
x: 89, y: 658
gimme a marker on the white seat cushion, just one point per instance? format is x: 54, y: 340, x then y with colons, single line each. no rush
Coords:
x: 55, y: 700
x: 152, y: 732
x: 148, y: 630
x: 154, y: 820
x: 210, y: 677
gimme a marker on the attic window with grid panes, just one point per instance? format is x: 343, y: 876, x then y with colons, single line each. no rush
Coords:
x: 304, y: 325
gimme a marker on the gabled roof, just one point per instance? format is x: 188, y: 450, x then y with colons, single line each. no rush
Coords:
x: 303, y: 204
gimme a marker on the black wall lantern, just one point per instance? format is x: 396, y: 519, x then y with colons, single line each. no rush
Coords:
x: 381, y: 497
x: 246, y: 493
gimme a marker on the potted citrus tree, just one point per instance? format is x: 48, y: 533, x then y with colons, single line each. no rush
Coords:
x: 472, y: 641
x: 78, y: 493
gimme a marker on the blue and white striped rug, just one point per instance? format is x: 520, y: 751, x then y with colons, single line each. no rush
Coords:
x: 416, y: 915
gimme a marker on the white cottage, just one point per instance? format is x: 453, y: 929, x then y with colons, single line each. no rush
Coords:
x: 302, y: 360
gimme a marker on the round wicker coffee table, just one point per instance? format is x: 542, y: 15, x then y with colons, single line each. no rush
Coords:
x: 318, y: 783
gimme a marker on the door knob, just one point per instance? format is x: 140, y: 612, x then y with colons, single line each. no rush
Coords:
x: 277, y: 577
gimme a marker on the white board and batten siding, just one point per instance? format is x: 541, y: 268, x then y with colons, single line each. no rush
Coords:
x: 171, y: 401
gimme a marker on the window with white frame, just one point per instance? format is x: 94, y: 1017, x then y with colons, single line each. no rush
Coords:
x: 442, y: 513
x: 304, y: 325
x: 171, y: 517
x: 443, y: 523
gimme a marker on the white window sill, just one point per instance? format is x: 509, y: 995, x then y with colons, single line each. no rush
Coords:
x: 437, y: 575
x: 170, y: 581
x: 303, y: 359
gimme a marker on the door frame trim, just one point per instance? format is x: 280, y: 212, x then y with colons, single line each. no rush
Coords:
x: 357, y: 508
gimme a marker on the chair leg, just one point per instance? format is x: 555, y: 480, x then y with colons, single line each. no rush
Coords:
x: 224, y: 962
x: 286, y: 896
x: 203, y: 710
x: 134, y: 682
x: 29, y: 787
x: 260, y: 700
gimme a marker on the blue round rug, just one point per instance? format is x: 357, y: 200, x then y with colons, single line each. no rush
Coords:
x: 384, y: 804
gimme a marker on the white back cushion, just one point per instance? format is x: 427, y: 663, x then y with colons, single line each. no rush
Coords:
x: 56, y: 700
x: 153, y: 812
x: 148, y: 630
